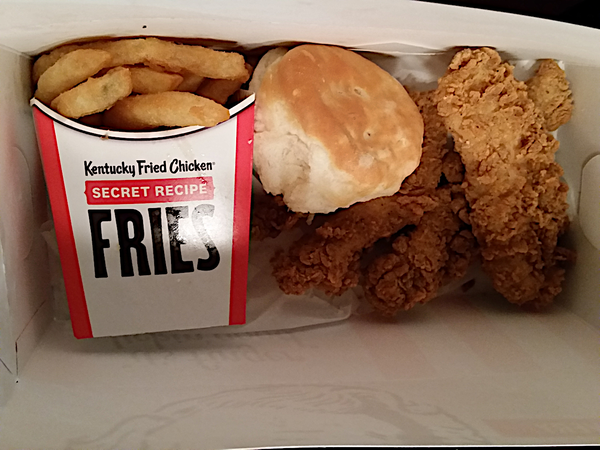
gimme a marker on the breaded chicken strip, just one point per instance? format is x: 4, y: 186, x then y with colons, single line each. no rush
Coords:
x: 441, y: 246
x: 439, y: 249
x: 517, y: 200
x: 549, y: 90
x: 328, y: 258
x: 426, y: 177
x: 270, y: 216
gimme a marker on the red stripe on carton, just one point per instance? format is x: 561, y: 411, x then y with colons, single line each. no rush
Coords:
x: 80, y: 319
x: 241, y: 220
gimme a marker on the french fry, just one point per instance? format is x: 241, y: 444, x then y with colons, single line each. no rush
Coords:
x: 168, y: 109
x: 148, y: 81
x: 94, y: 95
x: 93, y: 120
x: 172, y: 57
x: 47, y: 60
x: 191, y: 82
x: 221, y: 90
x: 166, y: 75
x: 218, y: 90
x: 70, y: 70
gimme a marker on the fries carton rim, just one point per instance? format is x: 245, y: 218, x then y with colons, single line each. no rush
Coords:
x: 135, y: 135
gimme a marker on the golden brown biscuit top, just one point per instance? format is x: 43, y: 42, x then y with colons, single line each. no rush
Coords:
x: 361, y: 114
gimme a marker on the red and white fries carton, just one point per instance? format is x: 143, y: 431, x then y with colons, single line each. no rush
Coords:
x: 152, y: 227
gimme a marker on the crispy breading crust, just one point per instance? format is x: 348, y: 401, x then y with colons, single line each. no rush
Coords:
x: 270, y: 216
x: 441, y: 246
x: 549, y: 90
x: 513, y: 186
x: 328, y: 259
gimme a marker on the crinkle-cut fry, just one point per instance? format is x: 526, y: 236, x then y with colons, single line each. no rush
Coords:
x: 221, y: 90
x: 166, y: 109
x: 168, y: 55
x: 70, y: 70
x: 148, y: 81
x: 94, y: 95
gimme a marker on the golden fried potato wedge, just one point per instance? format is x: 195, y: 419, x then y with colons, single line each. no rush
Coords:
x: 166, y: 109
x: 149, y: 81
x: 70, y: 70
x: 95, y: 95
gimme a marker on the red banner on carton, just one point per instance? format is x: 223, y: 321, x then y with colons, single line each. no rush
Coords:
x: 127, y: 192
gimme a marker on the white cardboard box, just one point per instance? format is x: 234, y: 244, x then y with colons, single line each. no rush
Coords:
x: 460, y: 370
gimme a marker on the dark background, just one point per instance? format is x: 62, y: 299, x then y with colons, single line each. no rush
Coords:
x: 580, y: 12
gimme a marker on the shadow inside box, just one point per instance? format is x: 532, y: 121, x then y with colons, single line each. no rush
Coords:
x: 170, y: 342
x: 306, y: 415
x: 414, y: 316
x: 492, y: 304
x: 470, y: 296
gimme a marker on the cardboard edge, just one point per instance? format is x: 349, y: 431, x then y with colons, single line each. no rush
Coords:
x: 7, y: 383
x: 8, y: 351
x: 240, y: 244
x: 296, y: 19
x: 8, y: 355
x: 62, y: 217
x: 32, y: 334
x: 138, y: 135
x: 589, y: 201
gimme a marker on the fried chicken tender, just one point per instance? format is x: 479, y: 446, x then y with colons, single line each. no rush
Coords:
x: 463, y: 245
x: 549, y: 90
x: 270, y: 216
x: 426, y: 177
x: 517, y: 201
x: 328, y: 259
x: 439, y: 249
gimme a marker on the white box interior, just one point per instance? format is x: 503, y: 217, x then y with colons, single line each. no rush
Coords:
x: 465, y: 369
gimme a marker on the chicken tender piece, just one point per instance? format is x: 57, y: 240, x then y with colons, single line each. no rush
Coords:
x: 440, y: 248
x: 271, y: 216
x: 328, y: 259
x: 517, y: 201
x: 549, y: 90
x: 426, y: 177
